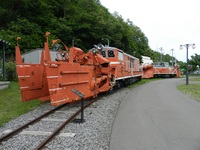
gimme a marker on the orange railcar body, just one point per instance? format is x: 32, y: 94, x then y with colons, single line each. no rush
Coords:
x: 161, y: 70
x: 167, y: 72
x: 148, y: 71
x: 126, y: 67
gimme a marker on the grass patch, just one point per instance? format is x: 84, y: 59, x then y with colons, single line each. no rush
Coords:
x: 191, y: 89
x: 11, y: 105
x: 143, y: 81
x: 195, y: 79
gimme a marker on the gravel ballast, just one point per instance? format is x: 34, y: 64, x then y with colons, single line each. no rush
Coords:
x: 93, y: 134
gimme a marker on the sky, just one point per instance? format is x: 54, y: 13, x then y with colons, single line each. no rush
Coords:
x: 166, y: 23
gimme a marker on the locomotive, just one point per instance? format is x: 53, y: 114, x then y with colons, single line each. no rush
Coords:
x: 75, y: 74
x: 160, y: 70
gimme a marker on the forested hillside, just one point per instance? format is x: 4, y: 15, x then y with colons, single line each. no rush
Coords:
x: 84, y: 22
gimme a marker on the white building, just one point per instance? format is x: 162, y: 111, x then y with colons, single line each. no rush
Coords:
x: 34, y: 56
x: 146, y: 60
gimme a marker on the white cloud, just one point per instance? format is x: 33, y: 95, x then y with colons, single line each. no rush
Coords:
x: 166, y: 23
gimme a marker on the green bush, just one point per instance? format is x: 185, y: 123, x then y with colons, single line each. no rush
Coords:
x: 0, y: 69
x: 11, y: 74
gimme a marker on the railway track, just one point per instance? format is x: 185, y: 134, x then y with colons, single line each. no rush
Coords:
x: 55, y: 131
x: 94, y: 133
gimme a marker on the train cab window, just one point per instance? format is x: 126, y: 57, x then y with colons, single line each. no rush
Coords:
x: 111, y: 53
x: 166, y: 64
x: 103, y: 53
x: 120, y: 55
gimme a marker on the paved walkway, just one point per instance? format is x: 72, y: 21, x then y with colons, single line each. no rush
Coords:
x: 156, y: 116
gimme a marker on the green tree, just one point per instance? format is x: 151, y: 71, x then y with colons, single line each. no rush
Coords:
x: 182, y: 66
x: 194, y: 62
x: 85, y: 22
x: 11, y: 71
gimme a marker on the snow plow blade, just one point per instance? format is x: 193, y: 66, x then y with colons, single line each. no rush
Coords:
x: 32, y: 79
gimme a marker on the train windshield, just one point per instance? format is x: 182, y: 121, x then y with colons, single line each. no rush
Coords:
x: 111, y: 53
x: 108, y: 53
x: 161, y: 64
x: 103, y: 53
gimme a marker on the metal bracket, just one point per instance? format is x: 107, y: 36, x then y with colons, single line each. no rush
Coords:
x: 81, y: 95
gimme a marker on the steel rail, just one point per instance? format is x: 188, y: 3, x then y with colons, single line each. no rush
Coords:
x: 16, y: 131
x: 55, y: 132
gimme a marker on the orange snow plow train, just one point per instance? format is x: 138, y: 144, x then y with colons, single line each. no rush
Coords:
x: 60, y: 81
x: 74, y: 75
x: 160, y: 70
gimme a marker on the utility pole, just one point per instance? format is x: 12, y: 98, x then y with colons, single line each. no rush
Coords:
x: 161, y: 49
x: 4, y: 43
x: 72, y: 42
x: 172, y: 58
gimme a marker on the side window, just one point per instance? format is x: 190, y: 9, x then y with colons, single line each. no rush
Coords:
x: 111, y: 53
x: 131, y: 63
x: 103, y: 53
x: 120, y: 55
